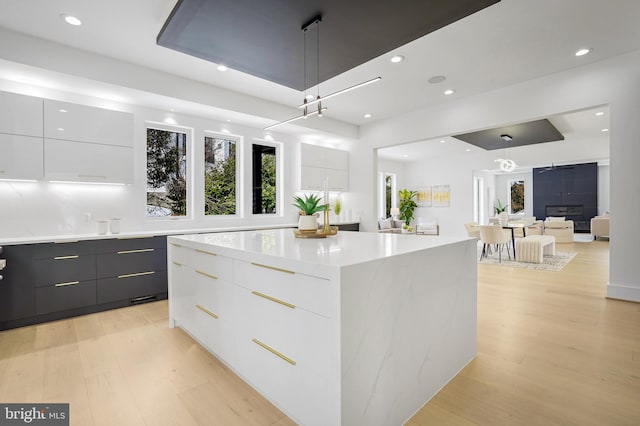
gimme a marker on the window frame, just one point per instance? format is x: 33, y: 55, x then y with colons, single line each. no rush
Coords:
x: 239, y: 141
x: 279, y: 178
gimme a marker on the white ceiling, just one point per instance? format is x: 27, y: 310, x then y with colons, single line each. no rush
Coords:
x: 510, y: 42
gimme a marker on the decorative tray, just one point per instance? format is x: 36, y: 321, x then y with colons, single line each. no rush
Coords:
x: 315, y: 234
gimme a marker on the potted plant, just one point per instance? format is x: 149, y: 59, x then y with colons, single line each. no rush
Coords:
x: 501, y: 212
x: 407, y: 206
x: 308, y: 207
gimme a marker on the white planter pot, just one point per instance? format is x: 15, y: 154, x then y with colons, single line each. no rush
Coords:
x: 308, y: 223
x: 503, y: 218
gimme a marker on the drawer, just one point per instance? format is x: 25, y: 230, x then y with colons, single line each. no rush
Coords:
x: 130, y: 262
x: 124, y: 243
x: 213, y: 332
x: 131, y: 286
x: 301, y: 335
x: 76, y: 248
x: 304, y: 291
x: 62, y: 269
x: 209, y: 262
x: 178, y: 253
x: 214, y: 294
x: 64, y: 297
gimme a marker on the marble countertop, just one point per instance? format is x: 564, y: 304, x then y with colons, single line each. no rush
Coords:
x: 80, y: 237
x: 345, y: 248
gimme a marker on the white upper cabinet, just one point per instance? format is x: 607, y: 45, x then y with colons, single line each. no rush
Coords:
x: 20, y: 157
x: 73, y: 122
x: 320, y: 165
x: 20, y: 114
x: 87, y: 162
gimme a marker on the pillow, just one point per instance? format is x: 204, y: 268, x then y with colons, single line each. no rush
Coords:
x: 397, y: 223
x: 384, y: 223
x: 555, y: 219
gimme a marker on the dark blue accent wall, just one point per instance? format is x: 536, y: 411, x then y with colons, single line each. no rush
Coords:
x: 569, y: 190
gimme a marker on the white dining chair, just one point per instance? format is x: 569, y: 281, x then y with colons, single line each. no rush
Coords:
x: 494, y: 235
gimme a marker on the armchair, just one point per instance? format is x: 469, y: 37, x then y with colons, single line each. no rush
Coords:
x: 560, y: 228
x: 427, y: 226
x: 600, y: 226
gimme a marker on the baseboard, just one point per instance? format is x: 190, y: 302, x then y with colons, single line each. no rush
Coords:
x: 623, y: 292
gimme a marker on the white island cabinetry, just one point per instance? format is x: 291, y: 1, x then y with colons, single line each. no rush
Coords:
x: 360, y: 328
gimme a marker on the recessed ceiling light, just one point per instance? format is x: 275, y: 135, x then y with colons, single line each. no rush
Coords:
x: 170, y: 120
x: 468, y: 149
x: 604, y: 130
x: 437, y: 79
x: 268, y: 137
x: 228, y: 120
x: 442, y: 141
x: 405, y: 155
x: 71, y: 20
x: 397, y: 58
x: 222, y: 68
x: 599, y: 113
x: 172, y: 110
x: 367, y: 116
x: 62, y: 110
x: 309, y: 97
x: 226, y: 131
x: 60, y: 129
x: 449, y: 92
x: 583, y: 52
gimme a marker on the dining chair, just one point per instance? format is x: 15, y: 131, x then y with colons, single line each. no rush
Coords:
x: 472, y: 229
x: 494, y: 235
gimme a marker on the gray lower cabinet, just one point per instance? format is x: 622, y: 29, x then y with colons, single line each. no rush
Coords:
x: 17, y: 292
x: 44, y: 282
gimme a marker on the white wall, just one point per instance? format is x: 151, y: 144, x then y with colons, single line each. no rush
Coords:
x: 604, y: 188
x: 615, y: 82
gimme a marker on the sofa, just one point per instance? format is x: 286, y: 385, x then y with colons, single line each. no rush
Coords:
x: 427, y: 226
x: 600, y: 226
x: 560, y: 228
x: 389, y: 225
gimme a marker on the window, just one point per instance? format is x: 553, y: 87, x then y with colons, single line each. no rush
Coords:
x: 219, y: 176
x: 264, y: 177
x: 166, y: 173
x: 516, y: 191
x: 387, y: 182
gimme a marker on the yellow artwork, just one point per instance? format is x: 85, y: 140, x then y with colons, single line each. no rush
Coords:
x: 441, y: 194
x: 424, y: 197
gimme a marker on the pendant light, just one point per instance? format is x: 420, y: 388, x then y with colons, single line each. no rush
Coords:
x: 505, y: 164
x: 316, y: 103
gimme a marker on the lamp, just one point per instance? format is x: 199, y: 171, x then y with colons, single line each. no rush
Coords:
x: 395, y: 212
x: 506, y: 165
x: 318, y: 100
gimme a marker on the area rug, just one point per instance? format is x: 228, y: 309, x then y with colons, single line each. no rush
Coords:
x: 549, y: 263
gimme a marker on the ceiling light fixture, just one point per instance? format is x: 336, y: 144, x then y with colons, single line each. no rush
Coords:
x: 71, y: 20
x: 309, y: 101
x: 397, y: 58
x: 583, y: 52
x: 599, y: 113
x: 222, y: 68
x: 505, y: 164
x: 449, y: 92
x: 442, y: 141
x: 604, y: 130
x: 367, y: 116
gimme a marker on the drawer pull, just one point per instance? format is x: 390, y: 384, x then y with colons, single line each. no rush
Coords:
x: 133, y: 237
x: 135, y: 251
x: 273, y: 299
x: 67, y: 283
x: 75, y: 256
x: 273, y: 268
x: 206, y: 311
x: 206, y: 275
x: 273, y: 351
x: 176, y: 263
x: 206, y: 252
x: 139, y: 274
x: 176, y: 245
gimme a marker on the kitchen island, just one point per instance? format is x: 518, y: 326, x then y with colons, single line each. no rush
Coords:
x: 354, y: 329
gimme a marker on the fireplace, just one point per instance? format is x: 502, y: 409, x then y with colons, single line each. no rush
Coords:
x: 574, y: 213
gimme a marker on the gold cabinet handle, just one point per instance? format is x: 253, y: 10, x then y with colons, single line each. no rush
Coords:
x: 75, y: 256
x: 273, y: 268
x: 206, y: 252
x: 135, y: 251
x: 176, y: 245
x: 273, y: 299
x: 206, y: 311
x: 139, y: 274
x: 206, y: 275
x: 273, y: 351
x: 176, y: 263
x: 67, y: 283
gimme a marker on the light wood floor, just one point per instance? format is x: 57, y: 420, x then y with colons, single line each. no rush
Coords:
x: 551, y: 351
